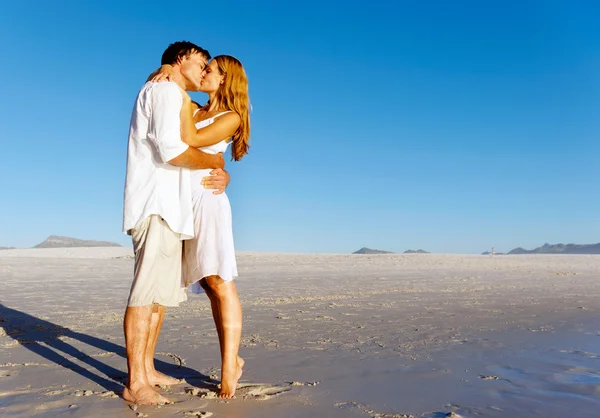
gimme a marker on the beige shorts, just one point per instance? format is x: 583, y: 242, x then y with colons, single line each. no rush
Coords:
x: 157, y: 272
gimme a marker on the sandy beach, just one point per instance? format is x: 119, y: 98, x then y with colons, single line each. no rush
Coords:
x: 420, y: 335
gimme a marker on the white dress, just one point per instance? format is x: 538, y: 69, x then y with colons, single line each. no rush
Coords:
x: 211, y: 251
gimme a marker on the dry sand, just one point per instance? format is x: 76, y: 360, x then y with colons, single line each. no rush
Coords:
x: 324, y: 336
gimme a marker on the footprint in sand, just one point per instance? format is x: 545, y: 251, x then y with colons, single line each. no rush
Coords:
x: 202, y: 393
x: 8, y: 373
x: 25, y: 364
x: 253, y: 391
x: 15, y: 392
x: 484, y: 377
x: 260, y: 392
x: 581, y: 353
x: 180, y: 361
x: 57, y: 392
x: 104, y: 354
x: 366, y: 410
x: 578, y: 376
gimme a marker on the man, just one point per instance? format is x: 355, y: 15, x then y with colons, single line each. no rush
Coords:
x: 158, y: 212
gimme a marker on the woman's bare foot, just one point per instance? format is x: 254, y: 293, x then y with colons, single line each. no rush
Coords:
x: 145, y: 395
x: 156, y: 379
x: 229, y: 379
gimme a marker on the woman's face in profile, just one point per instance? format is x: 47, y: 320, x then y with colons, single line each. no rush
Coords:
x: 212, y: 78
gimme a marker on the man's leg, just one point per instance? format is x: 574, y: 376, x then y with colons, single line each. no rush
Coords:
x: 154, y: 377
x: 137, y: 331
x: 153, y: 242
x: 229, y: 316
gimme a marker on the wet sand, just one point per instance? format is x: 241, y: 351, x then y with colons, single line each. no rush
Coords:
x: 324, y: 336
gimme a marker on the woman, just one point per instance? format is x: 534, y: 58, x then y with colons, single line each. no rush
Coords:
x: 209, y: 259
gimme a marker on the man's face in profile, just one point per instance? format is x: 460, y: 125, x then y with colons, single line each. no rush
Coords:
x: 192, y: 68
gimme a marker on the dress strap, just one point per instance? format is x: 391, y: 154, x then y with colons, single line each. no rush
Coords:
x: 195, y: 111
x: 221, y: 114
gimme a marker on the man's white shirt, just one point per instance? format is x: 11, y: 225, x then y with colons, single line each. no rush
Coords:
x: 152, y: 185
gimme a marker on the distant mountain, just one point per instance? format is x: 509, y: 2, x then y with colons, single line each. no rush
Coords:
x: 365, y: 250
x: 560, y: 249
x: 54, y: 241
x: 416, y: 252
x: 6, y: 248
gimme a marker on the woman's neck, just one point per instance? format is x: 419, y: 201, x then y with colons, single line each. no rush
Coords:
x: 212, y: 103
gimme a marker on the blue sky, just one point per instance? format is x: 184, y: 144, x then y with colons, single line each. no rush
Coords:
x: 447, y: 126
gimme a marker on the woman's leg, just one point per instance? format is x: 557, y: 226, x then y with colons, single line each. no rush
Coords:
x: 228, y: 320
x: 214, y: 306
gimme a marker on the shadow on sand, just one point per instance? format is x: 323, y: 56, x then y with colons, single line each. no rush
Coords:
x: 48, y: 341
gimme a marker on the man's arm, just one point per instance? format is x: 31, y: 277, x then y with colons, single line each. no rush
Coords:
x: 165, y: 133
x: 195, y: 159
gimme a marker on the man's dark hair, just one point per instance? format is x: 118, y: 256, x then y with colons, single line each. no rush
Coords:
x: 178, y: 50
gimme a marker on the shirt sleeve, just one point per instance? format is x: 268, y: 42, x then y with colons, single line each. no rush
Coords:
x: 165, y: 128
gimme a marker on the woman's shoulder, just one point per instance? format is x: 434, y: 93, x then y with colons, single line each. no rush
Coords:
x: 200, y: 114
x: 230, y: 114
x: 222, y: 115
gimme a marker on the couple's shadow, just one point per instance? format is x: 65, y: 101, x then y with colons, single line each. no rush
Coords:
x: 48, y: 341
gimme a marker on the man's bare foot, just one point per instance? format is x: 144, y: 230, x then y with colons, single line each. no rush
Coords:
x: 156, y: 379
x: 229, y: 379
x: 145, y: 395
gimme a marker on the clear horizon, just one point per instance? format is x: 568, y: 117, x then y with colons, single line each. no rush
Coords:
x: 308, y: 252
x: 452, y: 128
